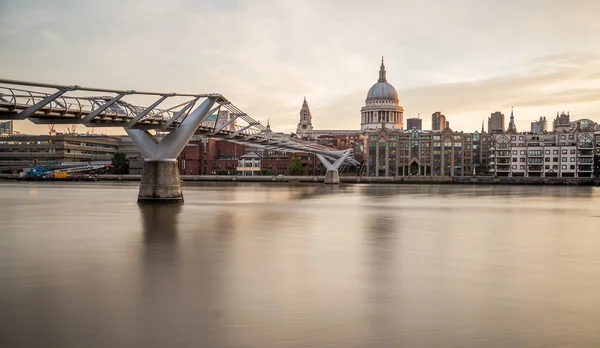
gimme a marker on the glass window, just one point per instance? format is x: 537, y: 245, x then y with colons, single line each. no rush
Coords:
x: 571, y: 137
x: 514, y: 167
x: 572, y: 151
x: 563, y: 137
x: 555, y: 152
x: 513, y: 138
x: 522, y: 152
x: 564, y: 152
x: 547, y: 152
x: 572, y: 159
x: 514, y: 159
x: 514, y: 152
x: 564, y: 167
x: 564, y: 159
x: 572, y: 167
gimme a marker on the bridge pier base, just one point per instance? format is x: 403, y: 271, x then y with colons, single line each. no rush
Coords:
x: 160, y: 184
x: 332, y: 176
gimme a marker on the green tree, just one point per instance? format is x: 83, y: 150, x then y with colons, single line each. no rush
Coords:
x: 120, y: 164
x: 295, y: 168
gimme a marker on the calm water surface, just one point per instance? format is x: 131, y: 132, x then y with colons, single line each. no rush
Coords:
x: 253, y: 265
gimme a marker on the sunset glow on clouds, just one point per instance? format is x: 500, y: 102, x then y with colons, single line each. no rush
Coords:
x: 464, y: 58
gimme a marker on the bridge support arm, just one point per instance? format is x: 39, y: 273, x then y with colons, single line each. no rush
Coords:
x: 161, y: 182
x: 332, y: 176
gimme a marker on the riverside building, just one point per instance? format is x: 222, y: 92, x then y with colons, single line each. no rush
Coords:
x: 19, y: 151
x: 430, y: 153
x: 559, y: 154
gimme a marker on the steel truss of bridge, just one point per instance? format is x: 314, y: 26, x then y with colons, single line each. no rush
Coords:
x: 180, y: 116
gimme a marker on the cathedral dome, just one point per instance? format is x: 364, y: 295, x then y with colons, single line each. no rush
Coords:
x: 382, y: 90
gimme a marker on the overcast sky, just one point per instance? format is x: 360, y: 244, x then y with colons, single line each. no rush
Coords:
x: 465, y: 58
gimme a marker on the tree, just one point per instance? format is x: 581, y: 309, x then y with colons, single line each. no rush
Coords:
x: 295, y: 168
x: 120, y: 164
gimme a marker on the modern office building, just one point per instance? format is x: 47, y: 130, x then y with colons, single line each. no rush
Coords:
x: 539, y: 126
x: 6, y: 128
x: 438, y: 121
x: 496, y: 123
x: 136, y: 161
x: 20, y: 151
x: 414, y: 123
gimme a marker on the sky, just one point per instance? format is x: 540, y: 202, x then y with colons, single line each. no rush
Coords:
x: 465, y: 58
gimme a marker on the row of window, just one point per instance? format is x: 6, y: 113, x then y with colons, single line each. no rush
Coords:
x: 547, y: 159
x: 539, y: 152
x: 547, y: 167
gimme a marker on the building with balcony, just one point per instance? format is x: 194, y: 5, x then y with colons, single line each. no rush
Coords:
x: 249, y: 164
x: 559, y: 154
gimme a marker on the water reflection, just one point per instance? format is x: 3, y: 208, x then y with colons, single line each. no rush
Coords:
x: 300, y: 266
x: 383, y: 275
x: 160, y: 223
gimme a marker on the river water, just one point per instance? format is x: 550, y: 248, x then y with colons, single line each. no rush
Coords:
x: 274, y: 265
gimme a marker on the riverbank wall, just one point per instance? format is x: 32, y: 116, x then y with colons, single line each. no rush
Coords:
x: 465, y: 180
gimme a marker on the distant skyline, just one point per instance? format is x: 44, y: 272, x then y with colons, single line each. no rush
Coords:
x: 465, y: 58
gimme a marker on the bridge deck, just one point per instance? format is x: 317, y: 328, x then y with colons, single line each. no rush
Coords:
x: 57, y: 104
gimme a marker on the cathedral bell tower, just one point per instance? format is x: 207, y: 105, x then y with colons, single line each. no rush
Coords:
x: 305, y: 125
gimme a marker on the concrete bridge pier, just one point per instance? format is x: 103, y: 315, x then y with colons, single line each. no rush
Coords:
x: 332, y: 176
x: 161, y: 183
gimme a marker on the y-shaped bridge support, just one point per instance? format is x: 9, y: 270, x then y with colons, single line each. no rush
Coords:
x: 160, y: 177
x: 333, y: 176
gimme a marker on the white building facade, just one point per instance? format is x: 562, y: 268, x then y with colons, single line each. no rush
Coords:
x: 382, y: 107
x: 567, y: 154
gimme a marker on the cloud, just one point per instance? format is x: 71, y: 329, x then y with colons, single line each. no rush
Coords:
x: 50, y: 35
x: 266, y: 55
x: 560, y: 84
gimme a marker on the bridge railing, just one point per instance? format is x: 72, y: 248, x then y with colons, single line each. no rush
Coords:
x: 107, y: 108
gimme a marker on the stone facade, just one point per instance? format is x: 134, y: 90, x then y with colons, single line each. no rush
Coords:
x: 305, y: 127
x: 429, y: 153
x: 382, y: 108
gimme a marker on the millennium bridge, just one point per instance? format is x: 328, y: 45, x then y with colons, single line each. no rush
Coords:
x: 180, y: 117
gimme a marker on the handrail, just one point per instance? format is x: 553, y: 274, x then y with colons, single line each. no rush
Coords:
x: 61, y: 106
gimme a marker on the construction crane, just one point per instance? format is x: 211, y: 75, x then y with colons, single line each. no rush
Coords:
x: 71, y: 129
